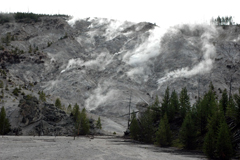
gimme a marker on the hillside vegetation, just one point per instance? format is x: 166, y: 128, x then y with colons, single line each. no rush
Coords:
x: 211, y: 124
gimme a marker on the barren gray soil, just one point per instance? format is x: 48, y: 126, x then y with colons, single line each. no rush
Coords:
x: 84, y: 148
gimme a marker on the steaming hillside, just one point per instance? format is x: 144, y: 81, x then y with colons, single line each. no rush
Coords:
x: 98, y: 62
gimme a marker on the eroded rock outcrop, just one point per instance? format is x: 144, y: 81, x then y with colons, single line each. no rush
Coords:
x: 45, y: 118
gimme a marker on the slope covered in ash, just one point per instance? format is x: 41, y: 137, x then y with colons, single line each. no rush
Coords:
x: 98, y: 62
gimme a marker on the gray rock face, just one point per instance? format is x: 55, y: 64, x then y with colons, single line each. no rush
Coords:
x: 30, y: 110
x: 102, y: 61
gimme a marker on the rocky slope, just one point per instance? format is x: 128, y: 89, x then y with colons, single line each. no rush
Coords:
x: 98, y: 63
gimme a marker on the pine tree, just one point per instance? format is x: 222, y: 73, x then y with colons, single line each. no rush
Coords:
x: 81, y: 121
x: 134, y: 127
x: 210, y: 140
x: 42, y: 96
x: 84, y: 122
x: 75, y: 112
x: 69, y: 109
x: 166, y: 102
x: 30, y: 49
x: 184, y: 103
x: 237, y: 100
x: 4, y: 122
x: 146, y: 126
x: 209, y: 145
x: 163, y: 134
x: 219, y: 20
x: 188, y: 132
x: 156, y: 112
x: 224, y: 146
x: 77, y: 119
x: 99, y: 124
x: 224, y: 100
x: 173, y: 108
x: 231, y: 109
x: 58, y: 103
x: 205, y: 108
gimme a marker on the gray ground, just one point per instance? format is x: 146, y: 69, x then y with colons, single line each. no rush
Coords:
x: 102, y: 148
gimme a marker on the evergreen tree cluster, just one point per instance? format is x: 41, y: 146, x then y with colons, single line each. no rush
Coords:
x: 25, y: 17
x: 203, y: 125
x: 5, y: 18
x: 28, y: 17
x: 81, y: 121
x: 228, y: 20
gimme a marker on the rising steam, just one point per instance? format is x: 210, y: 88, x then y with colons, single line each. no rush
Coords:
x: 206, y: 62
x: 138, y: 57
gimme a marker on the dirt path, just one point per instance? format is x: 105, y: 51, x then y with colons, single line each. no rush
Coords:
x: 84, y: 148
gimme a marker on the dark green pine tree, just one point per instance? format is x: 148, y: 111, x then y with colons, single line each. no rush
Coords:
x: 58, y: 103
x: 163, y: 134
x: 78, y: 123
x: 231, y: 108
x: 173, y: 108
x: 188, y: 132
x: 156, y: 110
x: 99, y: 124
x: 165, y: 103
x: 146, y: 127
x: 75, y: 112
x: 184, y: 103
x: 81, y: 121
x: 224, y: 146
x: 237, y: 100
x: 224, y: 101
x: 69, y: 109
x: 205, y: 108
x: 4, y: 122
x: 219, y: 21
x: 210, y: 139
x: 209, y: 145
x: 134, y: 127
x: 84, y: 122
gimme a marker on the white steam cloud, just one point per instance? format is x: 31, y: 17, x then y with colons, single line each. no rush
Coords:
x: 208, y: 51
x: 145, y: 47
x: 98, y: 63
x: 101, y: 96
x: 73, y: 63
x: 139, y: 58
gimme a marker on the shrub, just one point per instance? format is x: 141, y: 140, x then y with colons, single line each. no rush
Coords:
x: 16, y: 91
x: 42, y: 96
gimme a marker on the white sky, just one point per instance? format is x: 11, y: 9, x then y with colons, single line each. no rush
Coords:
x: 161, y: 12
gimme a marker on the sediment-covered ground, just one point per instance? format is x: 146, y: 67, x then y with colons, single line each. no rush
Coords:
x: 85, y: 148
